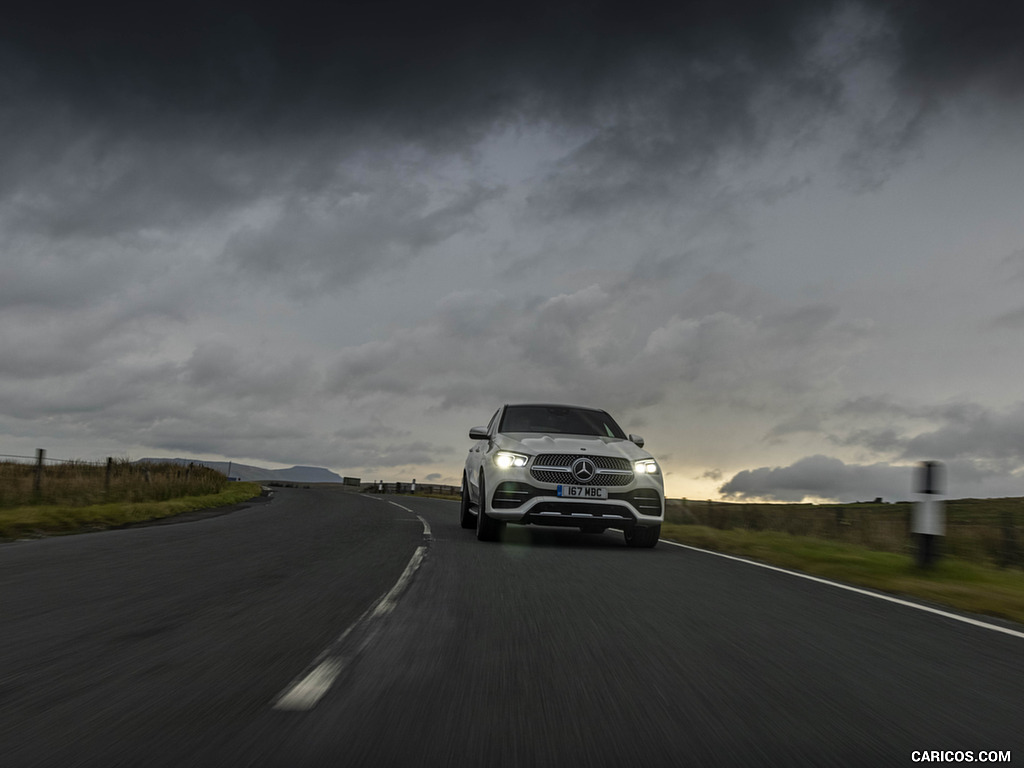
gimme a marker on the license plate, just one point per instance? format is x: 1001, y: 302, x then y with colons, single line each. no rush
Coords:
x: 582, y: 492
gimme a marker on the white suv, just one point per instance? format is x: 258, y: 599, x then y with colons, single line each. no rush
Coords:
x: 561, y: 465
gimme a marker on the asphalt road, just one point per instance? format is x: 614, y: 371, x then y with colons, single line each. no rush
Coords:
x: 171, y: 645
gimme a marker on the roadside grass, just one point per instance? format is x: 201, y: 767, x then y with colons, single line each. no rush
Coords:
x: 81, y: 484
x: 967, y: 586
x: 984, y: 531
x: 52, y: 519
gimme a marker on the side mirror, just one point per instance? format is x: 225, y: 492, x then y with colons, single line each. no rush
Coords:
x: 637, y: 439
x: 478, y: 433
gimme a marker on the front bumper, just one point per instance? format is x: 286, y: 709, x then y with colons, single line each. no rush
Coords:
x: 518, y: 501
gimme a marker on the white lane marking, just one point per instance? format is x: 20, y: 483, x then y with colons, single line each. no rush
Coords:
x: 848, y: 588
x: 309, y: 690
x: 388, y: 602
x: 426, y: 525
x: 303, y: 694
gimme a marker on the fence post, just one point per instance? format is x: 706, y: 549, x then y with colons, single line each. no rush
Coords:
x: 1011, y: 553
x: 37, y: 482
x: 110, y: 468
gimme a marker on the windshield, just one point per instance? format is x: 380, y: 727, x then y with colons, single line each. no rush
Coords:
x: 549, y: 419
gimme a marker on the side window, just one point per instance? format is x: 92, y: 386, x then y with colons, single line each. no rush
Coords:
x: 492, y: 425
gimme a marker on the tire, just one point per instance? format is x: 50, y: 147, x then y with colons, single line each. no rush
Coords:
x: 643, y: 537
x: 466, y: 518
x: 487, y: 528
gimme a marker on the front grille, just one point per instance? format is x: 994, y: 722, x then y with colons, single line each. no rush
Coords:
x: 566, y: 460
x: 554, y: 468
x: 565, y: 477
x: 557, y: 476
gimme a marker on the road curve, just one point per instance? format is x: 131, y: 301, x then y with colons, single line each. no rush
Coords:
x: 151, y: 646
x: 549, y: 649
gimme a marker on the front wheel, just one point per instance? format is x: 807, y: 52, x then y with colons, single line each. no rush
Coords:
x: 645, y: 537
x: 487, y: 528
x: 466, y: 518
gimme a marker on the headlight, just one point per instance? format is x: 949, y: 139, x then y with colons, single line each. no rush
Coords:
x: 646, y: 467
x: 506, y: 459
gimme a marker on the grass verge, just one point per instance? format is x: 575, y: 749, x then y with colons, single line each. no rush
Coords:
x: 967, y: 586
x: 30, y: 521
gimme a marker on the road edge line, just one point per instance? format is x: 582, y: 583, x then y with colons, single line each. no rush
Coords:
x: 857, y: 590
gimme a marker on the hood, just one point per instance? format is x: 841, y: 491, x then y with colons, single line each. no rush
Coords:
x: 527, y: 442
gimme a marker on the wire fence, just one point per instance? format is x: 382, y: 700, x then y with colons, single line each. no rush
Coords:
x: 42, y: 480
x: 981, y: 530
x: 50, y: 459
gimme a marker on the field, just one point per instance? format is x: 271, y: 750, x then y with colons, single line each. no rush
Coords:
x: 67, y: 497
x: 986, y: 531
x: 79, y: 484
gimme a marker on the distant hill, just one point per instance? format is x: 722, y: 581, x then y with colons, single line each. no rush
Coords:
x: 249, y: 472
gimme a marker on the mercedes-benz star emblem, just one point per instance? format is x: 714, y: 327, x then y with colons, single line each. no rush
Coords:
x: 583, y: 469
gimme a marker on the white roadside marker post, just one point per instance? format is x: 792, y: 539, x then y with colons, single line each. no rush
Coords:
x: 929, y: 517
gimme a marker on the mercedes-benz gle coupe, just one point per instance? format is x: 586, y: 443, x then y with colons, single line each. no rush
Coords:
x: 561, y: 465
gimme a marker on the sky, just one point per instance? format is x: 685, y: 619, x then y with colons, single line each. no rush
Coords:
x: 784, y: 242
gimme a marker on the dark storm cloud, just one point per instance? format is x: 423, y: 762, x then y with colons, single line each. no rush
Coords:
x: 481, y: 348
x: 973, y: 430
x: 822, y: 477
x: 417, y: 64
x: 984, y: 447
x: 945, y: 431
x: 950, y: 45
x: 439, y: 69
x: 353, y: 231
x: 125, y: 117
x: 153, y: 152
x: 826, y: 477
x: 225, y: 399
x: 1013, y: 266
x: 91, y: 185
x: 1009, y: 320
